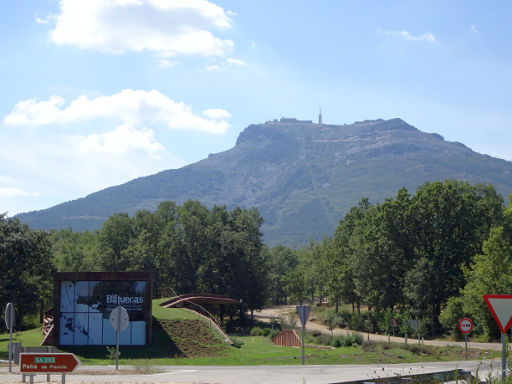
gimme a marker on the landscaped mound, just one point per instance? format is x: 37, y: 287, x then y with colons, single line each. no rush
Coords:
x: 193, y: 338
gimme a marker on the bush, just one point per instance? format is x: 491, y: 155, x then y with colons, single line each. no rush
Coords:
x: 355, y: 338
x: 256, y: 331
x: 273, y: 333
x: 344, y: 318
x: 288, y: 320
x: 337, y: 341
x: 323, y: 340
x: 356, y: 322
x: 331, y: 319
x: 266, y: 331
x: 369, y: 346
x: 451, y: 316
x: 237, y: 343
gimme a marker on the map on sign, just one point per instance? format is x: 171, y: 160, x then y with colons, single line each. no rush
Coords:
x: 501, y: 309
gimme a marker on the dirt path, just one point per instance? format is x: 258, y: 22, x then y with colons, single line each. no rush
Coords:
x: 267, y: 314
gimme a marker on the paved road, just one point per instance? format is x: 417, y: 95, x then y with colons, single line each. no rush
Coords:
x: 267, y: 314
x: 317, y: 374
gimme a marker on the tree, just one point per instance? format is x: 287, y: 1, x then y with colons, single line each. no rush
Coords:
x: 281, y: 260
x: 450, y: 220
x: 114, y: 237
x: 341, y: 280
x: 490, y: 273
x: 26, y: 267
x: 74, y: 251
x: 296, y: 285
x: 375, y: 262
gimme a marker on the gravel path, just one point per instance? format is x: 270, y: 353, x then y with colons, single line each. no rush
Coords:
x: 266, y: 315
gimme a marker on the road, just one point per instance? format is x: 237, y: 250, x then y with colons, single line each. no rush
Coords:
x: 273, y: 313
x: 308, y: 374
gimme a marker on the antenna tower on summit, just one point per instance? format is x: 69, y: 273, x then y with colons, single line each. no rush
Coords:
x: 320, y: 117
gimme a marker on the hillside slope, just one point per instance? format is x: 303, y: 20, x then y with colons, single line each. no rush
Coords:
x: 302, y: 176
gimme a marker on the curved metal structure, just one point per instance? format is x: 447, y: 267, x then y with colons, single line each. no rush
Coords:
x: 199, y: 298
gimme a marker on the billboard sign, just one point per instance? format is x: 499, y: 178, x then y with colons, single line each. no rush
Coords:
x: 85, y: 306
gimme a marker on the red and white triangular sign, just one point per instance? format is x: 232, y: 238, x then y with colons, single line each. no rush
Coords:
x: 501, y: 309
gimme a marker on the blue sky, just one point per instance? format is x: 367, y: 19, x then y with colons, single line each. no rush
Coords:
x: 98, y: 92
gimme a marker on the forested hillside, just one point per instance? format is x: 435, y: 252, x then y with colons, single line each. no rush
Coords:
x: 428, y: 255
x: 302, y: 177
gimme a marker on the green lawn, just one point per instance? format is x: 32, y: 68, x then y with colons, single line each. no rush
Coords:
x: 256, y: 350
x: 31, y: 337
x: 171, y: 313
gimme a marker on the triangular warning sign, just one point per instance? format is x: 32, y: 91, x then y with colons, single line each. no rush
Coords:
x: 501, y: 309
x: 303, y: 312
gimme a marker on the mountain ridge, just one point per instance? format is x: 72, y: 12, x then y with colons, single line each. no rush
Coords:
x: 302, y: 176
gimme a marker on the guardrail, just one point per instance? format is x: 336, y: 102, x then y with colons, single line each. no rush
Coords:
x: 420, y: 378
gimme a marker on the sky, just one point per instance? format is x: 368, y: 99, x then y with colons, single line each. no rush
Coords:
x: 96, y: 93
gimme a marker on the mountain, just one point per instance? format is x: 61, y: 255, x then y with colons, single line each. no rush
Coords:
x: 301, y: 176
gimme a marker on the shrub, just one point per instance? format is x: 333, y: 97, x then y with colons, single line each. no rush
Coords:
x: 331, y: 320
x: 323, y: 340
x: 356, y: 338
x: 369, y: 346
x: 237, y: 343
x: 288, y: 320
x: 273, y: 333
x: 256, y: 331
x: 337, y: 341
x: 356, y: 322
x: 451, y: 316
x: 344, y: 318
x: 266, y: 331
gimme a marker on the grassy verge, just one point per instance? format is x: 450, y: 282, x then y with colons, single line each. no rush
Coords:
x: 259, y: 350
x: 182, y: 338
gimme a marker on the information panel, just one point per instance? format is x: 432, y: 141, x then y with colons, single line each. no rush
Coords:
x: 85, y: 307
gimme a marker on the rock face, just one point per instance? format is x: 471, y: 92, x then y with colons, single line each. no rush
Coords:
x: 301, y: 176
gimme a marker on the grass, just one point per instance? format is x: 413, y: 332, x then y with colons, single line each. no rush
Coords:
x: 182, y: 338
x: 171, y: 313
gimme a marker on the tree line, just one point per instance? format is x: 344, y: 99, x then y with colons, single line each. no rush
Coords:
x: 429, y: 255
x: 189, y: 248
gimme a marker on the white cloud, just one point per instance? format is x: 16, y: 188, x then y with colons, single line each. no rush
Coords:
x: 217, y: 114
x: 473, y: 29
x: 236, y: 62
x: 229, y: 62
x: 167, y: 63
x: 12, y: 192
x: 426, y: 37
x: 165, y: 27
x: 42, y: 21
x: 120, y: 141
x: 129, y: 106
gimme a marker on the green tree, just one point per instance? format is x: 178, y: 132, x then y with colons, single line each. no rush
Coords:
x: 450, y: 220
x: 490, y: 273
x: 114, y: 238
x: 295, y: 281
x: 281, y: 261
x: 74, y: 251
x: 26, y: 268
